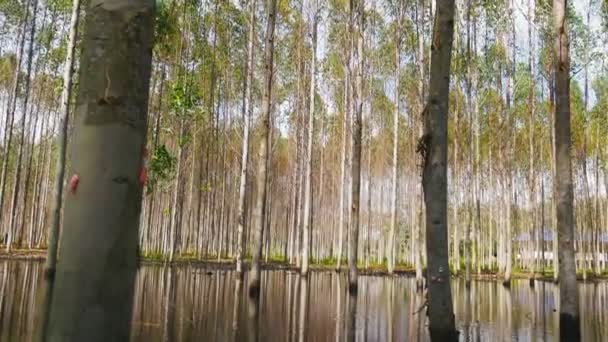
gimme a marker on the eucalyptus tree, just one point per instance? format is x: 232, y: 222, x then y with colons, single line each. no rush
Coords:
x: 245, y: 147
x: 391, y: 239
x: 263, y: 155
x: 307, y: 231
x: 569, y: 310
x: 96, y: 270
x: 357, y: 8
x: 433, y: 150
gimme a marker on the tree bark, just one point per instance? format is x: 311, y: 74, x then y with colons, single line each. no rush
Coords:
x: 263, y: 160
x: 245, y: 147
x: 417, y: 231
x: 569, y: 310
x: 391, y: 236
x: 433, y: 149
x: 96, y: 270
x: 341, y: 222
x: 357, y: 9
x: 307, y: 231
x: 51, y: 259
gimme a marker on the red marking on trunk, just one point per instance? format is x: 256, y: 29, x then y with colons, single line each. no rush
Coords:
x: 143, y: 171
x: 143, y: 175
x: 73, y: 183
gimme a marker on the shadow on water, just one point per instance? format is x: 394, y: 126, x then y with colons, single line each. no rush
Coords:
x: 194, y: 304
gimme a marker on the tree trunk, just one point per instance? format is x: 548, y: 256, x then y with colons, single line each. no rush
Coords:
x: 531, y: 123
x: 417, y: 235
x: 245, y: 147
x: 357, y: 10
x: 433, y: 149
x: 569, y: 310
x: 51, y: 259
x: 391, y: 236
x: 96, y: 271
x: 307, y: 231
x: 508, y: 147
x: 341, y: 222
x: 263, y: 160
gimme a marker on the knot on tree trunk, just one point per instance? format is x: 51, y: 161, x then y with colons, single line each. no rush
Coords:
x: 422, y: 147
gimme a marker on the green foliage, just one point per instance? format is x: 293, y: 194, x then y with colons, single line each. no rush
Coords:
x: 166, y: 34
x: 7, y: 70
x: 161, y: 167
x: 13, y: 10
x: 61, y: 6
x: 183, y: 99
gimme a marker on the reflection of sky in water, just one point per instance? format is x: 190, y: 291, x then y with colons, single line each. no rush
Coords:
x: 189, y: 304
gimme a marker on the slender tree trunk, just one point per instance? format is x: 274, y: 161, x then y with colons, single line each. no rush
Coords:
x: 245, y: 148
x: 569, y: 310
x: 391, y: 236
x: 509, y: 145
x: 341, y: 222
x: 307, y: 232
x: 417, y: 236
x: 531, y: 123
x: 555, y: 253
x: 178, y: 194
x: 93, y: 292
x: 433, y: 148
x: 55, y: 218
x: 357, y: 9
x: 260, y: 206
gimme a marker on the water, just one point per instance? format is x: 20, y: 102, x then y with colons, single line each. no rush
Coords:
x: 194, y: 304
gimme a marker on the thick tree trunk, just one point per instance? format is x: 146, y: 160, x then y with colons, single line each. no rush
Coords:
x: 263, y: 160
x: 96, y: 271
x: 433, y: 148
x: 569, y: 310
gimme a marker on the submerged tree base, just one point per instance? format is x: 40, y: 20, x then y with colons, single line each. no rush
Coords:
x: 419, y: 285
x: 254, y: 289
x: 570, y: 328
x: 447, y: 335
x: 353, y: 288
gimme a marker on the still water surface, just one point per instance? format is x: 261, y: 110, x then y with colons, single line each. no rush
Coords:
x: 194, y: 304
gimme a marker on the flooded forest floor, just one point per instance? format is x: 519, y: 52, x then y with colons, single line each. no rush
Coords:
x: 273, y: 264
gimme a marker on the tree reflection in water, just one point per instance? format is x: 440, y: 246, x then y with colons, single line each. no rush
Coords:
x: 192, y: 304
